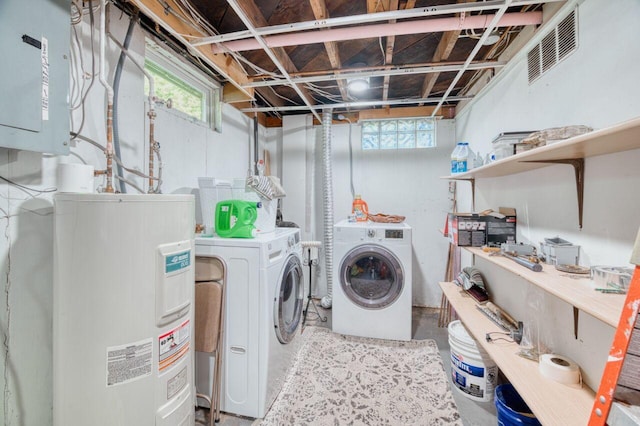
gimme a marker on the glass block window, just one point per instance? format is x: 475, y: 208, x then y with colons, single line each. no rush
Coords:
x: 402, y: 133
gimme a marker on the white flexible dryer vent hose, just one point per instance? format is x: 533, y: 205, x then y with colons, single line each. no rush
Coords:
x: 327, y: 202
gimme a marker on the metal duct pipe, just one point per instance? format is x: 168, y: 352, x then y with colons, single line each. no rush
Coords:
x: 327, y: 203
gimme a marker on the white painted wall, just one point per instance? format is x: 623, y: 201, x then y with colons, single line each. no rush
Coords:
x: 402, y: 182
x: 26, y: 219
x: 595, y: 86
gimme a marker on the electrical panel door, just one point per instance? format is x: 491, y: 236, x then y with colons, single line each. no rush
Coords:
x: 34, y: 75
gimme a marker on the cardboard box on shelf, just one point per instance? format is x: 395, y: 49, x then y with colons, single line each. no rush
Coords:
x: 485, y: 228
x: 467, y: 229
x: 501, y: 226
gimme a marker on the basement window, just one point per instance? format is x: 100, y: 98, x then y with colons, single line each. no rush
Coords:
x: 182, y: 89
x: 404, y: 133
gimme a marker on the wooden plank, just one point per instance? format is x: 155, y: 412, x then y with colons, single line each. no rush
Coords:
x: 576, y: 292
x: 618, y: 138
x: 258, y: 20
x: 320, y: 12
x: 388, y: 54
x: 273, y: 122
x: 553, y: 403
x: 231, y: 94
x: 374, y: 6
x: 445, y: 46
x: 183, y: 32
x: 422, y: 111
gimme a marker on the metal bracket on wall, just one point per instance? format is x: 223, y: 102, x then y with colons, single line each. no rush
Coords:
x: 473, y: 190
x: 578, y: 167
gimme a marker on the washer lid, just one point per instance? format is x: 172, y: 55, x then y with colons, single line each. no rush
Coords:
x: 371, y: 276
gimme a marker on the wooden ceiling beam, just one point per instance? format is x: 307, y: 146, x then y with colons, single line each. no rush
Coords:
x: 252, y: 11
x: 374, y: 6
x: 175, y: 25
x: 444, y: 49
x: 419, y: 111
x: 320, y: 12
x: 391, y: 41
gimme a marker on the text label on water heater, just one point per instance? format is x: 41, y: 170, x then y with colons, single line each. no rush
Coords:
x: 175, y: 262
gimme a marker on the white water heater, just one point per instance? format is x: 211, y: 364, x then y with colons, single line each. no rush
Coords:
x: 123, y: 310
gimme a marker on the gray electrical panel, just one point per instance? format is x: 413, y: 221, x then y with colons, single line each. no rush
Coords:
x: 34, y: 75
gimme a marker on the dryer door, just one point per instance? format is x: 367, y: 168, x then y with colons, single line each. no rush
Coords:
x: 289, y: 300
x: 371, y: 276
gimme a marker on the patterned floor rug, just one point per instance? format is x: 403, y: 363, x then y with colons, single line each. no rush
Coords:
x: 344, y: 380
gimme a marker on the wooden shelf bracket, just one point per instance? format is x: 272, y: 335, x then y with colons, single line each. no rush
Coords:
x: 578, y: 167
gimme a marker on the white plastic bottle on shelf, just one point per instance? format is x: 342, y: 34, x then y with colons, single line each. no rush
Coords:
x: 463, y: 157
x: 454, y: 158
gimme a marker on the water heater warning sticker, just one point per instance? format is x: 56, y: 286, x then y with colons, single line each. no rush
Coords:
x: 174, y: 345
x: 129, y: 362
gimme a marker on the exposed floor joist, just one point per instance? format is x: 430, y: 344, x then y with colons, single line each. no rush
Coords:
x: 320, y: 12
x: 257, y: 18
x: 175, y: 24
x: 444, y: 49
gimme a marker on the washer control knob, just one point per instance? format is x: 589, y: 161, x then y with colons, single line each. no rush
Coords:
x: 291, y: 242
x: 371, y: 233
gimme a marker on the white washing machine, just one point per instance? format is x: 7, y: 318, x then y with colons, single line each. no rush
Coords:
x: 372, y: 280
x: 263, y: 307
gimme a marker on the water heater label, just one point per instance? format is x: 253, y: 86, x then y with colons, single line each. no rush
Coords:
x: 129, y: 362
x: 177, y: 261
x: 174, y: 345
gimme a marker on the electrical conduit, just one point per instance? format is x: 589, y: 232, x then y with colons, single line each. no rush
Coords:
x: 327, y: 202
x: 116, y: 89
x: 154, y: 147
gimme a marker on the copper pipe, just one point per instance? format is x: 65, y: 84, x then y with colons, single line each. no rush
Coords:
x: 109, y: 151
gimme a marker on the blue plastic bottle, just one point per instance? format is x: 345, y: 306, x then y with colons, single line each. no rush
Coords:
x: 463, y: 157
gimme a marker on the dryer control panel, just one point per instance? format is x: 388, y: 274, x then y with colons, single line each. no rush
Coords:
x: 396, y: 234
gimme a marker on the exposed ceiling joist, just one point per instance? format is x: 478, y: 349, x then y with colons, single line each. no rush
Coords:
x: 474, y: 52
x: 365, y: 18
x: 445, y: 46
x: 360, y: 104
x: 175, y: 24
x: 320, y: 12
x: 388, y: 54
x: 275, y: 57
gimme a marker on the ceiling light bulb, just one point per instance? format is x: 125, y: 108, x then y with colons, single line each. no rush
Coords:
x: 493, y: 38
x: 358, y: 84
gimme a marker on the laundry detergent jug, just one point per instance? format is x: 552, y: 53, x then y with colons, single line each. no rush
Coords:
x: 236, y: 218
x: 360, y: 209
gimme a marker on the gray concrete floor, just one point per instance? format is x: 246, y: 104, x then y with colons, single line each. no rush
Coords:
x: 425, y: 326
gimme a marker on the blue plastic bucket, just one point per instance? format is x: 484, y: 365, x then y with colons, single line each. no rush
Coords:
x: 511, y: 408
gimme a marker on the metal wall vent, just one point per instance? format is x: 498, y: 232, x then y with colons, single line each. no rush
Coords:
x: 554, y: 47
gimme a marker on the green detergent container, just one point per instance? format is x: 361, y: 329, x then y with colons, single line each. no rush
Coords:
x: 236, y: 218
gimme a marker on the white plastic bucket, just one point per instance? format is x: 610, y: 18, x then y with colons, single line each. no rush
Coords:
x: 473, y: 372
x: 213, y: 190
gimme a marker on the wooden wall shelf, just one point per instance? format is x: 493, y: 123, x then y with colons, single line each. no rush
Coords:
x: 621, y: 137
x: 552, y: 403
x: 577, y: 292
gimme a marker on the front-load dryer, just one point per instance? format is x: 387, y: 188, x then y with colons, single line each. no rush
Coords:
x: 372, y: 280
x: 263, y: 306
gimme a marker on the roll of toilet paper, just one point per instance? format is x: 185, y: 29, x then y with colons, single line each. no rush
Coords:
x: 74, y: 177
x: 560, y: 369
